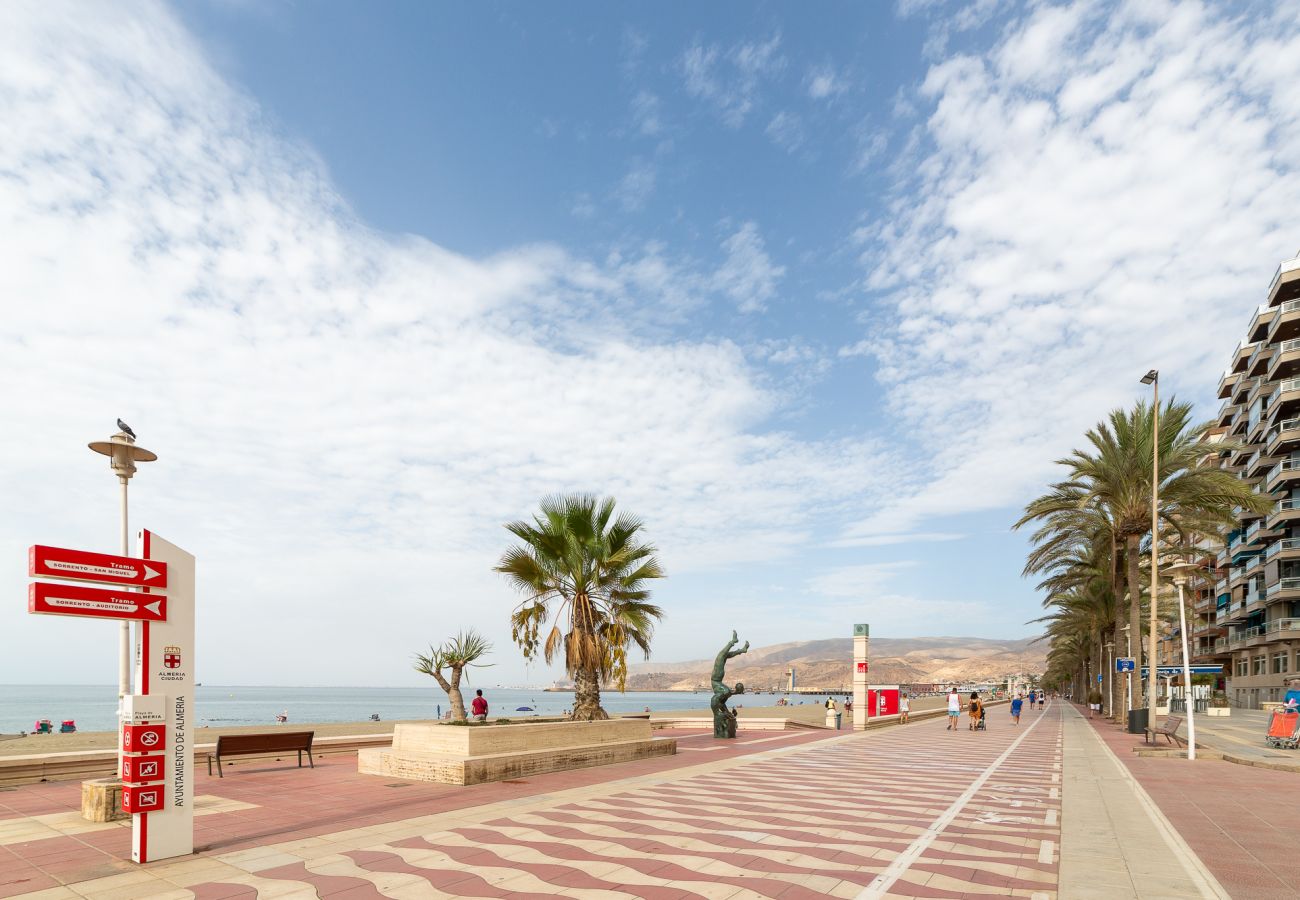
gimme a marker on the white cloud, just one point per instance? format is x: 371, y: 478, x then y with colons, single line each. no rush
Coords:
x: 635, y: 188
x: 344, y: 417
x: 1100, y: 195
x: 786, y: 131
x: 647, y: 114
x: 884, y: 540
x: 857, y: 580
x: 823, y: 82
x: 730, y: 80
x: 747, y: 274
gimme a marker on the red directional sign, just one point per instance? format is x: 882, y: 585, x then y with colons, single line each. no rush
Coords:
x: 81, y: 565
x: 143, y: 738
x: 102, y: 603
x: 140, y: 769
x: 138, y: 799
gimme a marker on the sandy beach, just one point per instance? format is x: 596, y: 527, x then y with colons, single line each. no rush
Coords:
x: 811, y: 712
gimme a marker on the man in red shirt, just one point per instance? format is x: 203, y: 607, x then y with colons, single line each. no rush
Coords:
x: 479, y: 707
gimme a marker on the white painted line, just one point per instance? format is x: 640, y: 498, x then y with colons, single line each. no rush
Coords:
x: 1050, y: 818
x: 1054, y: 794
x: 886, y: 879
x: 1045, y: 852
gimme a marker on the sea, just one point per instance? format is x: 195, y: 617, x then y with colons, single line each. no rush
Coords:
x: 93, y: 707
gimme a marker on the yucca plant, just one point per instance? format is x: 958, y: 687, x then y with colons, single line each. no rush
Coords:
x: 455, y: 655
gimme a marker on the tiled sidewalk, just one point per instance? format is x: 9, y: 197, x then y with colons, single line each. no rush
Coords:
x: 1240, y: 820
x: 905, y: 812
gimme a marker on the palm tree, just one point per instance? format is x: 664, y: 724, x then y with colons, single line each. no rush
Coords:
x: 588, y: 568
x: 1111, y: 481
x: 455, y: 655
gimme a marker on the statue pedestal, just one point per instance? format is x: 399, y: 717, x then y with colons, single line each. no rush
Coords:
x: 832, y: 718
x: 473, y: 754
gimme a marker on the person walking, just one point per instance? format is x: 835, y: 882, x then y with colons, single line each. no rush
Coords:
x: 954, y: 709
x: 975, y: 708
x: 479, y: 707
x: 1016, y: 703
x: 904, y: 707
x: 1042, y: 700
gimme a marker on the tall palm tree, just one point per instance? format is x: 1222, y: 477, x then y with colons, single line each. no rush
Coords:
x: 1114, y: 476
x: 578, y: 561
x: 455, y: 655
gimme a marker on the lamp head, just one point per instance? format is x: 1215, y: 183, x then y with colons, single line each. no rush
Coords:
x: 1151, y: 377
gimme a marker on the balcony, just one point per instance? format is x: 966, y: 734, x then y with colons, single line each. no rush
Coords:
x: 1284, y: 472
x: 1226, y: 383
x: 1287, y: 548
x: 1285, y: 360
x: 1227, y: 412
x: 1256, y: 464
x: 1260, y: 362
x: 1285, y: 399
x: 1281, y: 288
x: 1284, y: 589
x: 1284, y: 433
x: 1286, y: 511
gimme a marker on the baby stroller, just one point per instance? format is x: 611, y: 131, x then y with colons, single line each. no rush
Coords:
x: 979, y: 725
x: 1283, y: 730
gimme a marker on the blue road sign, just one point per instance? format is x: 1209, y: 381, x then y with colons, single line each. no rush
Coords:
x: 1125, y: 664
x: 1099, y: 678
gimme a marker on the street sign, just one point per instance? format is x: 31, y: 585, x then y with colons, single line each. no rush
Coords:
x: 100, y: 603
x: 1125, y: 664
x: 141, y: 769
x: 1099, y: 678
x: 82, y: 565
x: 141, y: 798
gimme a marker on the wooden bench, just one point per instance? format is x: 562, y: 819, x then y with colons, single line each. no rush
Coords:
x: 262, y: 745
x: 1169, y: 730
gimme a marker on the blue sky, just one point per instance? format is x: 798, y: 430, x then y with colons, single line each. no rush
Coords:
x: 820, y: 292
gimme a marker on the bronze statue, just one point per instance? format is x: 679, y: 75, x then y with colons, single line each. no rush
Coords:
x: 724, y: 720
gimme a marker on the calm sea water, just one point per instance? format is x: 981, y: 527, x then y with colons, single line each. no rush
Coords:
x: 93, y: 707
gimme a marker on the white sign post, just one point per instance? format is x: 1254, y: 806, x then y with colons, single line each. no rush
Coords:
x: 163, y: 816
x: 861, y: 638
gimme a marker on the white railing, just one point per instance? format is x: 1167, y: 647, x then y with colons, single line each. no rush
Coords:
x: 1283, y: 505
x: 1220, y: 644
x: 1286, y: 465
x: 1288, y: 346
x: 1291, y: 384
x: 1285, y: 425
x: 1284, y: 544
x: 1246, y: 634
x: 1278, y: 625
x: 1289, y: 306
x: 1287, y: 584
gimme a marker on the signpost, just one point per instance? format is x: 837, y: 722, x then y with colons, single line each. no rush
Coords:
x: 157, y: 748
x: 57, y: 562
x: 1125, y: 664
x: 861, y: 704
x: 99, y: 603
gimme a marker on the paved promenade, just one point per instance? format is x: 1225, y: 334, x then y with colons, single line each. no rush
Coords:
x: 909, y: 811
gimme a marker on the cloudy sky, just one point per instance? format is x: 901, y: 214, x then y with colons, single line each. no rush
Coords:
x: 819, y: 292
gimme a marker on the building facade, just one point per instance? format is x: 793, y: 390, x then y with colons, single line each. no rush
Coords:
x: 1248, y: 620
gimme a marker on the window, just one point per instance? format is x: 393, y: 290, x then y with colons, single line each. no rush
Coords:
x: 1279, y: 663
x: 1260, y: 666
x: 1243, y: 666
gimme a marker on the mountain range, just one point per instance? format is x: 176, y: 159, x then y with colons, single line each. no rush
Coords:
x: 828, y: 663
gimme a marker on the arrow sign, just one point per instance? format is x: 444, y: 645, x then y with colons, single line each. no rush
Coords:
x: 82, y: 565
x: 102, y: 603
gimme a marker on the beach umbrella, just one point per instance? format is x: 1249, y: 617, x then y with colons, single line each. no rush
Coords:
x: 524, y: 709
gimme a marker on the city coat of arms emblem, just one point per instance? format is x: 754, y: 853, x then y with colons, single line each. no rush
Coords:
x: 172, y: 657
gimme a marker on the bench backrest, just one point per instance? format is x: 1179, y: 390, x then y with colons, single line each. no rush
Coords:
x: 276, y: 742
x: 1172, y: 723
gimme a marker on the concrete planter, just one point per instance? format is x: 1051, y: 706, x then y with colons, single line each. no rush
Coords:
x: 1218, y: 710
x: 457, y: 754
x: 1162, y: 710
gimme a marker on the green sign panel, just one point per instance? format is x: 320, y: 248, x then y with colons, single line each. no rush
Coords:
x: 861, y: 630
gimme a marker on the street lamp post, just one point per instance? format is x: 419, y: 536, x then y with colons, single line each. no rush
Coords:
x: 123, y: 454
x: 1180, y: 571
x: 1128, y: 675
x: 1153, y: 378
x: 1110, y: 679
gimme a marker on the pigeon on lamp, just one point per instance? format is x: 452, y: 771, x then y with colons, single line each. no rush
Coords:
x: 126, y: 429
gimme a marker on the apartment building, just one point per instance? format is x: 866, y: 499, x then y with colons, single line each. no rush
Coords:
x: 1250, y: 620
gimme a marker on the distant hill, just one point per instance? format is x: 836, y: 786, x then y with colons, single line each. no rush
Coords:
x: 828, y: 663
